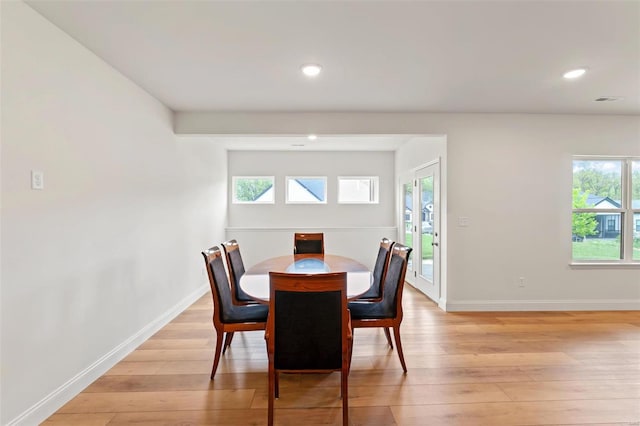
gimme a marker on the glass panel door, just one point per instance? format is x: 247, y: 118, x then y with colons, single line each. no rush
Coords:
x: 407, y: 237
x: 426, y: 226
x: 426, y: 229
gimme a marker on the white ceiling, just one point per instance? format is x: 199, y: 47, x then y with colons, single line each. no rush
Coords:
x: 386, y: 56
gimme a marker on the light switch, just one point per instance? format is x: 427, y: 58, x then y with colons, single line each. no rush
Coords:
x: 463, y: 221
x: 37, y: 179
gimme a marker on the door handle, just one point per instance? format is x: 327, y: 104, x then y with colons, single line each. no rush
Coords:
x: 434, y: 244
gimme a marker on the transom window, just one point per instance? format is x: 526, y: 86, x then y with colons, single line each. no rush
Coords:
x: 606, y: 210
x: 358, y: 190
x: 306, y: 190
x: 253, y: 190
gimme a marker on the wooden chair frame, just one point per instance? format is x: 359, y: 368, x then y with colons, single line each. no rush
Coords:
x: 314, y: 283
x: 220, y: 326
x: 308, y: 236
x: 386, y: 323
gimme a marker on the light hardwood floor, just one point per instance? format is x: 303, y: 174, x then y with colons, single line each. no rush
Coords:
x: 499, y: 368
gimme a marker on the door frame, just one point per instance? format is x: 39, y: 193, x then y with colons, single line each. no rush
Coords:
x: 439, y: 262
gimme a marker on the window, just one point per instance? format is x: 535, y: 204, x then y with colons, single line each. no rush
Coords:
x: 306, y: 190
x: 253, y: 190
x: 358, y: 190
x: 606, y: 210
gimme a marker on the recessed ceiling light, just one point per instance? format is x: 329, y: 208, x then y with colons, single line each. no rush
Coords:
x: 312, y: 137
x: 579, y: 72
x: 311, y: 70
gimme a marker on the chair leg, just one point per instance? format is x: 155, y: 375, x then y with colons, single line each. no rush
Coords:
x: 227, y: 341
x: 396, y: 335
x: 345, y: 397
x: 272, y: 392
x: 388, y: 335
x: 216, y: 357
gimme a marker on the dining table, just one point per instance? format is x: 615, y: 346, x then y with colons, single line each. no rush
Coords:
x: 255, y: 281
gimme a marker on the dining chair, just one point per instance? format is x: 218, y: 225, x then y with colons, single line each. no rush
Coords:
x: 236, y: 271
x: 308, y: 329
x: 387, y: 313
x: 374, y: 294
x: 308, y: 243
x: 227, y: 317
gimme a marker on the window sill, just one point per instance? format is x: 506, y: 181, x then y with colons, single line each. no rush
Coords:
x: 604, y: 265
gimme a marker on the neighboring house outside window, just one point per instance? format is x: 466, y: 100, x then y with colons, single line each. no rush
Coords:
x: 606, y: 210
x: 306, y: 190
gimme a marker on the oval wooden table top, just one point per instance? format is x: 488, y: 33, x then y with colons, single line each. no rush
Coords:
x: 255, y: 281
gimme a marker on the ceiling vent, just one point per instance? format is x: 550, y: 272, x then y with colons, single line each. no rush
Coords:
x: 608, y: 99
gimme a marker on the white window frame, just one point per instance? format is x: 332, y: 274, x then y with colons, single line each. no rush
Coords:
x: 234, y: 181
x: 286, y: 190
x: 375, y: 189
x: 627, y: 213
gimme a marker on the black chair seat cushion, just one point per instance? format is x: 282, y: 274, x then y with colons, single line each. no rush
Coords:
x: 370, y: 310
x: 245, y: 313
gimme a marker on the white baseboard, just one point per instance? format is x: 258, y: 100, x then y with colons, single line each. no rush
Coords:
x: 63, y: 394
x: 543, y: 305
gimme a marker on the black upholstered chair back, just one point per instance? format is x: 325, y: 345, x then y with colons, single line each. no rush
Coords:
x: 379, y: 270
x: 308, y: 243
x: 220, y: 289
x: 237, y: 265
x: 307, y: 319
x: 308, y: 330
x: 394, y: 279
x: 236, y: 271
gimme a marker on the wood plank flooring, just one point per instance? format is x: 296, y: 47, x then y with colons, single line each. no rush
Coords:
x: 468, y: 369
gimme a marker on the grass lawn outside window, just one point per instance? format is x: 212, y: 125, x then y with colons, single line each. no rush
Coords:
x: 602, y: 249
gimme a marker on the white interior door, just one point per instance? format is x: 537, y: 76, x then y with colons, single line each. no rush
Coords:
x: 424, y: 232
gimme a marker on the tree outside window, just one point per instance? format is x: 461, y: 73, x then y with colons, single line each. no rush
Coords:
x: 253, y: 189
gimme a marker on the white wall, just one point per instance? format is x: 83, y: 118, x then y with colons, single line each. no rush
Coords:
x: 352, y: 230
x: 110, y: 249
x: 511, y: 175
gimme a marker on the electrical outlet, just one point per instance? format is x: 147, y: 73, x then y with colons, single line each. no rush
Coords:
x: 521, y: 282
